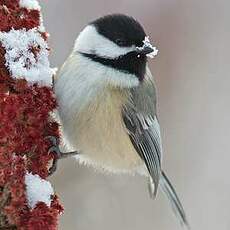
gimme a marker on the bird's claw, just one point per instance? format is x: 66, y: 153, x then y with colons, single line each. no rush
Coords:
x: 58, y: 154
x: 54, y: 149
x: 53, y: 140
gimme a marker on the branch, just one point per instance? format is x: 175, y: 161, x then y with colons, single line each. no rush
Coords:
x: 27, y: 199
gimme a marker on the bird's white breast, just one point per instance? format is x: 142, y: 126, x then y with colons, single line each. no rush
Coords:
x: 91, y: 116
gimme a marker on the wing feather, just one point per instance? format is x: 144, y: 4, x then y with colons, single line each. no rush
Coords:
x: 139, y: 116
x: 146, y: 140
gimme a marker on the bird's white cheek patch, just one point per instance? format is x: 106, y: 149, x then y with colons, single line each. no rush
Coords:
x: 90, y: 41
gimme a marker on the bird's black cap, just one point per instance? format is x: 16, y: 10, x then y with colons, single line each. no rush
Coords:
x: 121, y: 29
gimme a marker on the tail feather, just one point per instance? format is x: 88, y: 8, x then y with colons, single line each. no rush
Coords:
x: 177, y: 207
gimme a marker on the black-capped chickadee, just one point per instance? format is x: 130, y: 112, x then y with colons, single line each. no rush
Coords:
x: 107, y: 103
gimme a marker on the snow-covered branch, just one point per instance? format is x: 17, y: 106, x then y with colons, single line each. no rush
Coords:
x: 27, y: 199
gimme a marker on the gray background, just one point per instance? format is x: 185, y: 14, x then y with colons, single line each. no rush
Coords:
x: 192, y: 75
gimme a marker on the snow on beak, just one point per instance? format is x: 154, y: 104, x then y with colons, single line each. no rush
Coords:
x: 147, y: 49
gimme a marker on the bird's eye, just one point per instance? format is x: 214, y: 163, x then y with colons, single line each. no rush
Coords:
x: 121, y: 42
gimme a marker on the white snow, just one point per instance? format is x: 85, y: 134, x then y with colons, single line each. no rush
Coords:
x: 21, y: 62
x: 147, y: 43
x: 37, y: 190
x: 41, y: 27
x: 30, y: 4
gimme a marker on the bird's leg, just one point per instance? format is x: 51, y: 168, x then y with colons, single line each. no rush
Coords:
x: 58, y: 154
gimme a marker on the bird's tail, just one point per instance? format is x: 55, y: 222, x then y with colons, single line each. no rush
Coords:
x: 177, y: 207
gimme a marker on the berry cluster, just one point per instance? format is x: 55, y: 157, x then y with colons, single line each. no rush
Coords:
x: 25, y: 121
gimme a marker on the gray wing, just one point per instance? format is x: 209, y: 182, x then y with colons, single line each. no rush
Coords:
x: 139, y: 116
x: 140, y: 119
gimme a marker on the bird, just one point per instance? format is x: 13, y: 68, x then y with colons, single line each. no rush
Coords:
x: 107, y: 104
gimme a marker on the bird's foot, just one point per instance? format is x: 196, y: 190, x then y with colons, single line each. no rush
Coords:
x: 57, y: 153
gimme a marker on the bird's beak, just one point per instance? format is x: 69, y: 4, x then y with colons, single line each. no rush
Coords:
x: 147, y: 49
x: 144, y: 50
